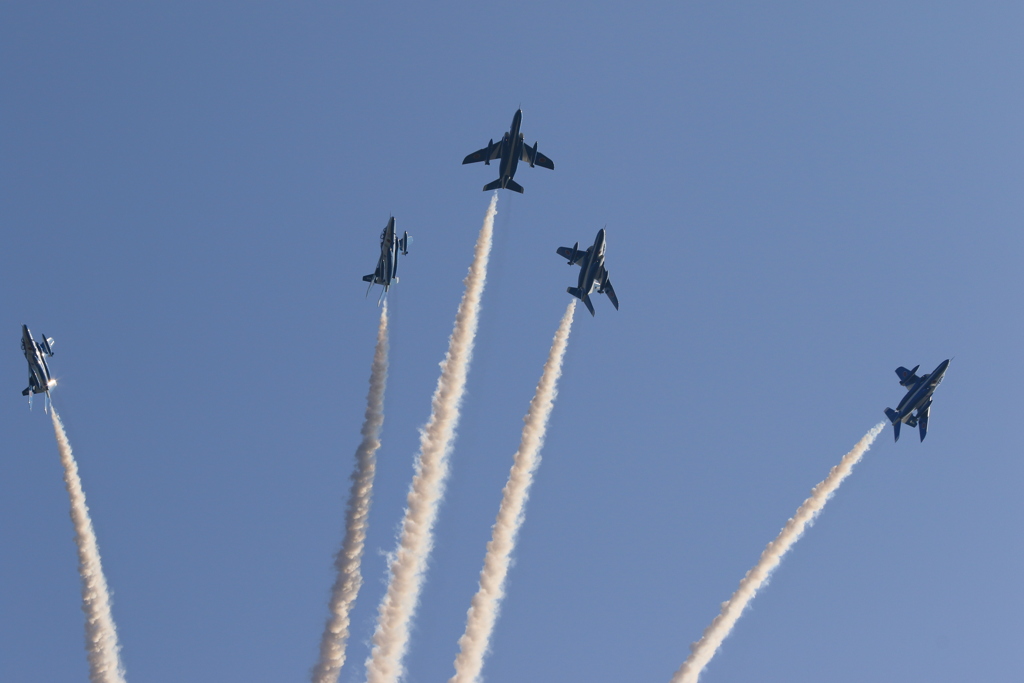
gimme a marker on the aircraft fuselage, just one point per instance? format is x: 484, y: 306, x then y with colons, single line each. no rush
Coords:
x: 593, y: 266
x: 921, y: 393
x: 388, y: 267
x: 39, y: 380
x: 511, y: 148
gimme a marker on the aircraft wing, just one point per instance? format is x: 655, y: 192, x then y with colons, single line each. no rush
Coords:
x: 541, y: 160
x: 482, y: 155
x: 611, y: 294
x: 566, y: 253
x: 922, y: 418
x: 908, y: 378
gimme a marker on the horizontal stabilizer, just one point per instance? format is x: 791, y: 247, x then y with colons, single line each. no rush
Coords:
x: 585, y: 298
x: 507, y: 185
x: 894, y: 418
x: 368, y: 278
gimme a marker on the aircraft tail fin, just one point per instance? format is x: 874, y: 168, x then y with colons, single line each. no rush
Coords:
x: 27, y: 392
x: 368, y: 278
x: 506, y: 185
x: 585, y: 298
x: 894, y: 418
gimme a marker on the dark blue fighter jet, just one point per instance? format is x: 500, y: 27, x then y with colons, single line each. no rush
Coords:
x: 592, y: 271
x: 511, y: 150
x: 39, y: 380
x: 387, y: 265
x: 918, y: 398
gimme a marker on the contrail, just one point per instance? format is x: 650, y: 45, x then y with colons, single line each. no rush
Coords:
x: 483, y: 611
x: 349, y: 580
x: 704, y: 649
x: 409, y: 562
x: 100, y: 633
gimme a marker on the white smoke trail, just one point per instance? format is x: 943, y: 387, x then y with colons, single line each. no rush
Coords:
x: 483, y: 612
x: 100, y: 634
x: 704, y: 649
x: 349, y: 579
x: 409, y: 562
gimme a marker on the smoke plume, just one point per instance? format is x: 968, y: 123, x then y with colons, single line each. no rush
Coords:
x: 704, y: 649
x: 409, y: 562
x: 483, y: 612
x: 348, y: 581
x: 100, y: 634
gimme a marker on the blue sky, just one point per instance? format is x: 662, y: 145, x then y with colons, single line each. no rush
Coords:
x: 799, y: 198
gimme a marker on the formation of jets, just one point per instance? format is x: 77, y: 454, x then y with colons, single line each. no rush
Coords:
x: 36, y: 353
x: 915, y: 406
x: 913, y: 410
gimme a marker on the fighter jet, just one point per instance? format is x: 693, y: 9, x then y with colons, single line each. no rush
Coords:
x: 387, y: 264
x: 592, y: 271
x: 511, y: 150
x: 919, y: 398
x: 39, y: 380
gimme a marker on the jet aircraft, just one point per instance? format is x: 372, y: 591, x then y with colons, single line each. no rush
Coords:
x: 39, y: 380
x: 918, y: 398
x: 511, y: 150
x: 387, y: 264
x: 592, y: 271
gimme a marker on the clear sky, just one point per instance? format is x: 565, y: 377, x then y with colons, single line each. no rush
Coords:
x: 799, y: 198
